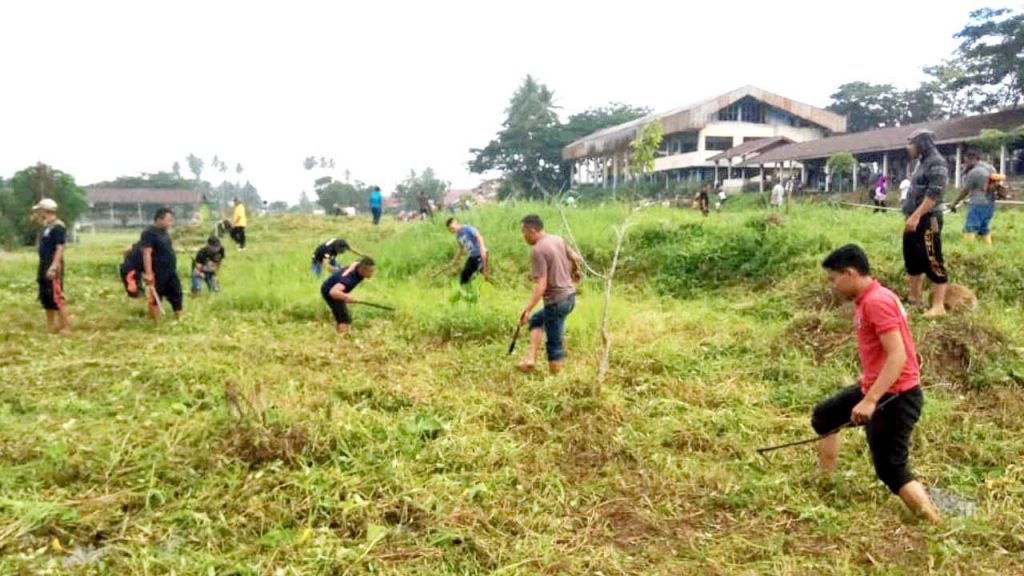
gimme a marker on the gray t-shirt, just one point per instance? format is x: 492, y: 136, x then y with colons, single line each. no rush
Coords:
x: 975, y: 182
x: 550, y: 258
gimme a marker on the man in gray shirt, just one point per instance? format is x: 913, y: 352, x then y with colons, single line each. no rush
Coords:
x: 982, y: 203
x: 555, y: 269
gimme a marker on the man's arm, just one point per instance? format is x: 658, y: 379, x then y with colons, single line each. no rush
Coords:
x: 895, y: 359
x: 483, y: 251
x: 58, y: 255
x: 926, y: 207
x: 535, y: 297
x: 458, y: 254
x: 577, y: 265
x: 147, y: 264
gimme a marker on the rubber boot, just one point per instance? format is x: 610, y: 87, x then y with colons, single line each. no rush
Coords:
x: 987, y: 239
x: 969, y: 236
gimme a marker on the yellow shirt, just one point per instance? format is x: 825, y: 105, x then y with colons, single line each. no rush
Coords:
x: 239, y: 220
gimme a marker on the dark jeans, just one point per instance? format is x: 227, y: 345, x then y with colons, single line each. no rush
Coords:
x: 888, y: 431
x: 376, y: 215
x: 210, y: 278
x: 169, y: 287
x: 238, y: 235
x: 473, y: 265
x: 552, y: 319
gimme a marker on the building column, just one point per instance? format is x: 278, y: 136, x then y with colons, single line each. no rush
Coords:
x: 1002, y: 159
x: 959, y: 160
x: 139, y: 207
x: 803, y: 174
x: 762, y: 178
x: 828, y: 177
x: 716, y: 172
x: 604, y: 172
x: 885, y: 165
x: 615, y: 171
x: 856, y: 168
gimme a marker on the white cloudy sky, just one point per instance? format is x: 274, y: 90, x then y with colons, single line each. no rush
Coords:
x: 104, y: 88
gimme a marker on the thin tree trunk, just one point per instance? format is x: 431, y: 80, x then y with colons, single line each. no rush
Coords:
x: 606, y: 337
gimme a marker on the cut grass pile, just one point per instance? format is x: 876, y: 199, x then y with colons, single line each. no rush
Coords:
x: 248, y: 440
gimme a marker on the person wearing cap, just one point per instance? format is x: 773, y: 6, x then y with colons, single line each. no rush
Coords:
x: 922, y: 233
x: 50, y: 274
x: 205, y: 266
x: 238, y: 222
x: 982, y: 202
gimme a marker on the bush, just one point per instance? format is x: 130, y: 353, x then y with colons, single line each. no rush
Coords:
x: 26, y: 188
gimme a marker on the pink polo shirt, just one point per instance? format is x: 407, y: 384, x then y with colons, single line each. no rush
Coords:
x: 878, y: 312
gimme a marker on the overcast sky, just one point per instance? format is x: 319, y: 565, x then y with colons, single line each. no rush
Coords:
x: 100, y: 88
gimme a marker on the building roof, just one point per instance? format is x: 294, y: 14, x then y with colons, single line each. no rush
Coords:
x: 759, y: 145
x: 694, y: 117
x: 949, y: 131
x: 166, y: 196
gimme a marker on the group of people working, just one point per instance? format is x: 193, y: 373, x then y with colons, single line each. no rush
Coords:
x: 887, y: 400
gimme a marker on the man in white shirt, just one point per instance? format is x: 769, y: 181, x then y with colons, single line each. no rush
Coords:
x: 778, y: 195
x: 904, y: 190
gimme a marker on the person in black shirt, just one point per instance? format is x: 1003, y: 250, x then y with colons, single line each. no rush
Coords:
x: 160, y: 264
x: 337, y: 290
x: 205, y: 266
x: 131, y: 270
x: 50, y: 275
x: 326, y: 255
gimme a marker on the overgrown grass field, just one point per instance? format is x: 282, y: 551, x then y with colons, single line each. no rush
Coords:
x: 249, y: 439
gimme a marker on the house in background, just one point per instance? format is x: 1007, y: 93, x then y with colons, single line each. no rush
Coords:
x: 134, y: 207
x: 696, y: 134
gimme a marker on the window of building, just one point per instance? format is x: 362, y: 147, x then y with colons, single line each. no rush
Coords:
x: 718, y: 143
x: 746, y: 110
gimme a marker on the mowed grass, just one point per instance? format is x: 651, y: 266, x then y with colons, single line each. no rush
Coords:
x: 247, y: 439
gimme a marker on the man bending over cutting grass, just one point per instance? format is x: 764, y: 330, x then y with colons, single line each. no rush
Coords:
x: 472, y: 243
x: 555, y: 270
x: 326, y: 255
x: 337, y: 290
x: 888, y: 400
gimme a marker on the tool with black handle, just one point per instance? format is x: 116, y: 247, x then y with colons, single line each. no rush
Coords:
x: 767, y: 449
x: 515, y: 338
x: 372, y: 305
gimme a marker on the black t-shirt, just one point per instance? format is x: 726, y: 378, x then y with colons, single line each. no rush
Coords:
x: 165, y: 263
x: 53, y: 236
x: 331, y: 248
x: 349, y: 281
x: 209, y: 259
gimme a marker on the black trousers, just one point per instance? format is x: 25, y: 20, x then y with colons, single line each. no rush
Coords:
x: 888, y: 432
x: 473, y: 265
x: 238, y: 235
x: 922, y: 250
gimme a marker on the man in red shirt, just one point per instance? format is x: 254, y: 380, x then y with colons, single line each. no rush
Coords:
x: 890, y: 373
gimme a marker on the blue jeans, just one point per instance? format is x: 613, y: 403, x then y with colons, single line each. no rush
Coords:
x: 211, y: 282
x: 978, y: 218
x: 317, y: 267
x: 376, y: 215
x: 552, y: 319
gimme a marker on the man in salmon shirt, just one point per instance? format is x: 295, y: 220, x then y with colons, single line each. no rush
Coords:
x: 889, y: 364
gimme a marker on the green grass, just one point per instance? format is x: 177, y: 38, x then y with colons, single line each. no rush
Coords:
x: 247, y: 440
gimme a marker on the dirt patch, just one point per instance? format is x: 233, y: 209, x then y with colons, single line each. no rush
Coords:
x: 819, y: 334
x: 954, y: 349
x: 261, y: 445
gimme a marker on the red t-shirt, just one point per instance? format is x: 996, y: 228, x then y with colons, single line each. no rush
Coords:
x: 878, y: 312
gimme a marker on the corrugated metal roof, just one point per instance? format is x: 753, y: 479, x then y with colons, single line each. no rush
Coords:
x: 166, y: 196
x: 694, y: 117
x: 895, y: 138
x: 751, y: 146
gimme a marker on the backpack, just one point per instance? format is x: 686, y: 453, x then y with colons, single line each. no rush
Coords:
x: 131, y: 270
x: 997, y: 187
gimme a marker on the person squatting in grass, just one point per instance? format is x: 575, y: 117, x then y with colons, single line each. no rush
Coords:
x: 160, y: 264
x: 555, y: 269
x: 889, y: 367
x: 982, y: 202
x: 337, y: 290
x: 922, y: 233
x: 239, y: 221
x: 205, y: 266
x: 326, y: 254
x: 471, y: 242
x: 50, y: 274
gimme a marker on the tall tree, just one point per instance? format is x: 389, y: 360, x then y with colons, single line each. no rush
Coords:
x: 426, y: 183
x: 26, y: 188
x: 309, y: 162
x: 524, y: 149
x: 176, y: 168
x: 867, y: 106
x: 990, y: 55
x: 195, y: 165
